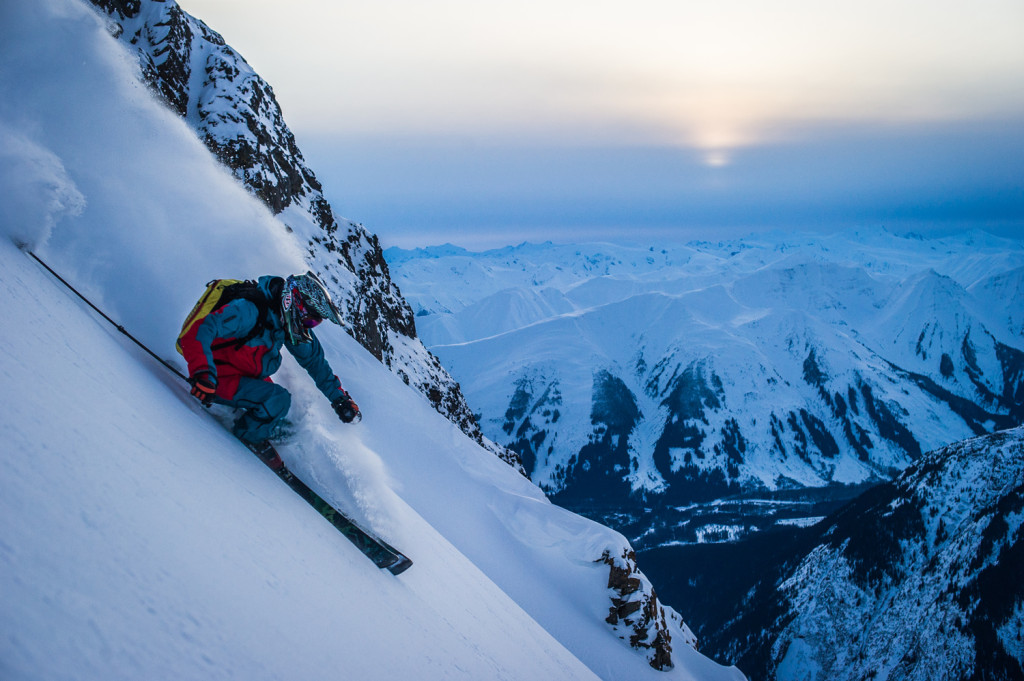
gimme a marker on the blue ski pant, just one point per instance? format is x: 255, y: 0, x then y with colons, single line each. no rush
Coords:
x: 265, y: 404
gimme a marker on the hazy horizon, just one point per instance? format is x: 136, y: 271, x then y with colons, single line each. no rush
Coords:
x: 483, y: 122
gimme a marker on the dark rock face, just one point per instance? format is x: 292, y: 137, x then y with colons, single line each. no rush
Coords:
x: 235, y: 113
x: 531, y: 418
x: 689, y: 396
x: 599, y: 469
x: 635, y: 611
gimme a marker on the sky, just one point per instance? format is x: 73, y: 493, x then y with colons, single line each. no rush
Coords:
x: 485, y: 122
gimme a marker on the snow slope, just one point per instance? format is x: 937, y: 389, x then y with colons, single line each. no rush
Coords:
x: 139, y: 539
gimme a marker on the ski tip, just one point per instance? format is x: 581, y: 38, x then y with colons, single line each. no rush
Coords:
x: 399, y: 567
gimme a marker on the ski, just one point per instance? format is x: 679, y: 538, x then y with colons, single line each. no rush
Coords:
x: 379, y: 551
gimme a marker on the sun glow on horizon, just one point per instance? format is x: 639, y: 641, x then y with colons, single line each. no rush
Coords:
x: 717, y: 158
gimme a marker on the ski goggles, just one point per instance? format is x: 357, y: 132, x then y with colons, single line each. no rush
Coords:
x: 311, y: 321
x: 308, y: 316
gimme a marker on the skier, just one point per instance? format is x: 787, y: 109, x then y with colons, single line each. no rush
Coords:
x: 233, y: 346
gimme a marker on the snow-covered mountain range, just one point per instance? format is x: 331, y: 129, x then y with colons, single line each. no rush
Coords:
x: 638, y: 376
x: 140, y: 540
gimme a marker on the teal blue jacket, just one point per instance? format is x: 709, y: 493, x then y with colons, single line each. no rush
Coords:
x: 211, y: 345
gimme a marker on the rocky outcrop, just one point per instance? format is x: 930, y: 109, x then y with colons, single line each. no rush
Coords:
x: 635, y: 613
x: 235, y: 113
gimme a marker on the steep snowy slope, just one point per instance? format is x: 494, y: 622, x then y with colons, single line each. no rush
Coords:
x: 140, y: 541
x: 692, y: 372
x: 236, y: 115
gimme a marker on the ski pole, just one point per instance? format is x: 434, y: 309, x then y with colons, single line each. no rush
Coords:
x: 112, y: 322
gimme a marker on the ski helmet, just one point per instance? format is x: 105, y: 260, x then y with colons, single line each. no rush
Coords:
x: 305, y: 302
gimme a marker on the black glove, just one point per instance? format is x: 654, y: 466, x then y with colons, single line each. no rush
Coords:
x: 346, y: 409
x: 204, y: 386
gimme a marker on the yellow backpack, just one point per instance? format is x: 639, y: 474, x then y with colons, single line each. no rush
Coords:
x: 219, y: 293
